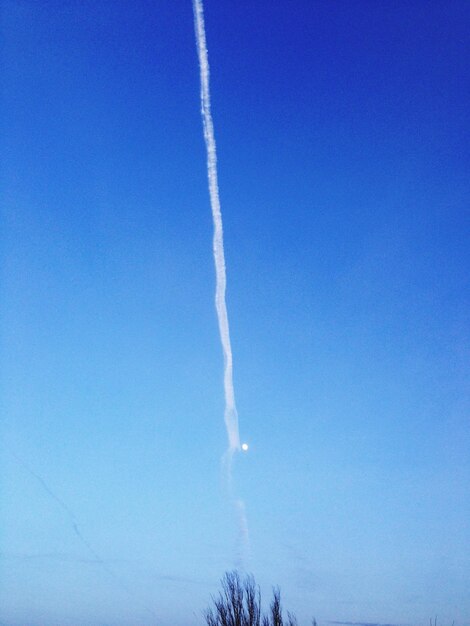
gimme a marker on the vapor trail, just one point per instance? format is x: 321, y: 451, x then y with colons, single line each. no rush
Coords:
x: 74, y: 523
x: 243, y: 539
x: 69, y: 513
x: 230, y: 413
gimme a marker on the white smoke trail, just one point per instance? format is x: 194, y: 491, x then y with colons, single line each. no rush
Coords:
x: 243, y: 539
x: 230, y: 414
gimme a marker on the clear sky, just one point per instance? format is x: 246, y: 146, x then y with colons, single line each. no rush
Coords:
x: 342, y: 136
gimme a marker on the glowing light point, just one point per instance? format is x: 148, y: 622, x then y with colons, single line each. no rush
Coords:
x: 244, y: 447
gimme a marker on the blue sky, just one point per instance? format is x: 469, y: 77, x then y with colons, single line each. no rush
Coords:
x: 342, y: 136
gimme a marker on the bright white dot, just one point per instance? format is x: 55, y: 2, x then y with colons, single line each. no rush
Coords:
x: 244, y: 447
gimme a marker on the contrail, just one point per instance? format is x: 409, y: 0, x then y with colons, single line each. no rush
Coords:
x: 74, y: 523
x: 69, y: 513
x: 230, y: 414
x: 243, y: 539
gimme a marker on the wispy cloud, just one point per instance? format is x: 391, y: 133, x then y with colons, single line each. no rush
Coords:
x: 180, y: 580
x: 55, y: 556
x: 363, y: 623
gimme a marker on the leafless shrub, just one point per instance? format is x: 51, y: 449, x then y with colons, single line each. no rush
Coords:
x: 239, y: 604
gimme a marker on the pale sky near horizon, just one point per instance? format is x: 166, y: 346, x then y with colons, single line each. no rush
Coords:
x: 342, y: 137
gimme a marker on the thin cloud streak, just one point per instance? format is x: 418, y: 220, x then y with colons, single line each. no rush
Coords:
x: 230, y: 413
x: 74, y: 523
x: 55, y: 556
x: 243, y: 540
x: 362, y: 623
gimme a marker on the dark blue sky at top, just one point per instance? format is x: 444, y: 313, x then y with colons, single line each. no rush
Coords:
x: 342, y: 137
